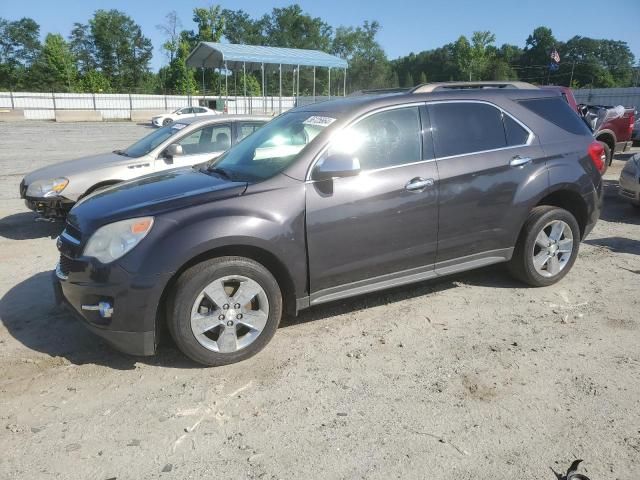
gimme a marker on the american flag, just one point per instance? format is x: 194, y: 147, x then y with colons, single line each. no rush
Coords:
x: 555, y: 56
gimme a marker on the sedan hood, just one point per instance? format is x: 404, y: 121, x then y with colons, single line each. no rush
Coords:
x: 79, y: 165
x: 151, y: 195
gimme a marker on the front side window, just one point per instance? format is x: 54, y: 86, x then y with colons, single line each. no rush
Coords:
x: 385, y: 139
x: 151, y: 141
x: 213, y: 138
x: 460, y: 128
x: 272, y: 148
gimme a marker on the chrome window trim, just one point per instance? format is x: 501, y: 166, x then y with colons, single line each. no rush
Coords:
x: 357, y: 120
x: 528, y: 143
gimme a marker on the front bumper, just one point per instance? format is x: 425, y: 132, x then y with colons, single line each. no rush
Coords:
x: 46, y: 206
x: 131, y: 328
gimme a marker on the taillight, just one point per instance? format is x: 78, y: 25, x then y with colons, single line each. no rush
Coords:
x: 598, y: 157
x: 632, y: 121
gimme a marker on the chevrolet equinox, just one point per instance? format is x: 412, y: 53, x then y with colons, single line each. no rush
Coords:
x: 328, y: 201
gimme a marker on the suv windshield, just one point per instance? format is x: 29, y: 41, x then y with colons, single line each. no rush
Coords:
x: 272, y: 148
x: 151, y: 141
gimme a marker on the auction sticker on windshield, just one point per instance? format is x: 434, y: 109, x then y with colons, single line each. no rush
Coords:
x: 178, y: 126
x: 319, y: 121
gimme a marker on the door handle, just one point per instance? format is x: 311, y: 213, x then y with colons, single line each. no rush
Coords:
x: 519, y: 161
x: 418, y: 184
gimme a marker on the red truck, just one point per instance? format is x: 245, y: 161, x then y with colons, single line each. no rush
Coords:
x: 612, y: 126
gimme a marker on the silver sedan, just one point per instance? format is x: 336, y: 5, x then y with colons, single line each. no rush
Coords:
x: 53, y: 190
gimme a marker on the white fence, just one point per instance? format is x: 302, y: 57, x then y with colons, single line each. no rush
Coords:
x: 42, y: 106
x: 628, y: 97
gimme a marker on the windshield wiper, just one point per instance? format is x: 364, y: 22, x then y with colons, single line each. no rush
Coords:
x: 121, y: 152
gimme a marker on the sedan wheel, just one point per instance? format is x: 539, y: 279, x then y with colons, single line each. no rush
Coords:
x: 166, y: 122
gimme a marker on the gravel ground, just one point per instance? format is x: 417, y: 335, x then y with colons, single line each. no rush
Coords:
x: 468, y: 377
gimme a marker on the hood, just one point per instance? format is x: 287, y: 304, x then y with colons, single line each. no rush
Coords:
x: 152, y: 195
x: 80, y: 165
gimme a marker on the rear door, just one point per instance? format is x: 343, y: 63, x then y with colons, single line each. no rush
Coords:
x: 484, y: 157
x: 380, y: 225
x: 200, y: 146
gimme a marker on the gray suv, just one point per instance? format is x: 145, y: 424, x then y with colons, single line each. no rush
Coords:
x: 329, y: 201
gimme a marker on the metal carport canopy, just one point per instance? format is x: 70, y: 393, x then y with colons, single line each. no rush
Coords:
x: 215, y: 55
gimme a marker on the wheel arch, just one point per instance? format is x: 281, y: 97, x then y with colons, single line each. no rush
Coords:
x: 258, y: 254
x: 571, y: 201
x: 608, y: 137
x: 105, y: 183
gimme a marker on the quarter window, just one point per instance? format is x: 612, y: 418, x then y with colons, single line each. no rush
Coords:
x: 385, y: 139
x: 246, y: 129
x: 460, y: 128
x: 516, y: 135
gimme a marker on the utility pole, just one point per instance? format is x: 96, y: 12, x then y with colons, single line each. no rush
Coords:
x: 573, y: 66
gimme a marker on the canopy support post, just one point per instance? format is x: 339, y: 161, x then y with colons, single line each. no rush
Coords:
x: 226, y: 88
x: 264, y: 94
x: 244, y: 77
x: 329, y: 83
x: 203, y: 89
x: 298, y: 87
x: 314, y: 84
x: 344, y: 88
x: 280, y: 91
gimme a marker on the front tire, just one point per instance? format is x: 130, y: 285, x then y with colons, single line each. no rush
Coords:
x: 224, y: 310
x: 547, y: 247
x: 166, y: 122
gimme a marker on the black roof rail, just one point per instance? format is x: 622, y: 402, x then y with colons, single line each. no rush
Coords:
x: 379, y: 91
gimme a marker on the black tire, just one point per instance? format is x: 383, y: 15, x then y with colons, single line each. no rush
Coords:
x: 188, y: 288
x: 608, y: 155
x: 166, y: 122
x: 521, y: 264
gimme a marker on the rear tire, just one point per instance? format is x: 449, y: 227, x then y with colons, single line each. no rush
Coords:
x: 224, y: 310
x: 608, y: 155
x: 547, y: 247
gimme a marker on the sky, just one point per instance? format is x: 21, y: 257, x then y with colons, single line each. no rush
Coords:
x: 407, y: 25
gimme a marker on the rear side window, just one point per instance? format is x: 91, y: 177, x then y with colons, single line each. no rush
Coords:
x: 558, y: 112
x: 460, y: 128
x: 516, y: 134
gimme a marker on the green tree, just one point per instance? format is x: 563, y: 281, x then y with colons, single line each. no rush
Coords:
x: 210, y: 23
x: 180, y: 79
x: 93, y: 81
x: 423, y: 78
x: 463, y: 56
x: 19, y: 48
x: 171, y: 30
x: 408, y: 80
x: 115, y: 45
x: 291, y: 27
x: 240, y: 28
x: 55, y: 68
x: 368, y: 64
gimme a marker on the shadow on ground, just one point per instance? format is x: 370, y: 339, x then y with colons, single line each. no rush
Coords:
x: 29, y: 314
x: 617, y: 209
x: 495, y: 276
x: 23, y: 226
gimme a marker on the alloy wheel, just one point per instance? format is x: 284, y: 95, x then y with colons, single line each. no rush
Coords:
x: 553, y: 248
x: 229, y: 314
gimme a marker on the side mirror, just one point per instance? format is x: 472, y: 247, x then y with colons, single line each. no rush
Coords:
x: 178, y: 112
x: 173, y: 150
x: 337, y: 165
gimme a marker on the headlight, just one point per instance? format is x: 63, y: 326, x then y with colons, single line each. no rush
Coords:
x: 47, y: 188
x: 112, y: 241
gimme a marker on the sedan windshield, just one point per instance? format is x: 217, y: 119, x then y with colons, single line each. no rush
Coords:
x: 271, y: 148
x: 151, y: 141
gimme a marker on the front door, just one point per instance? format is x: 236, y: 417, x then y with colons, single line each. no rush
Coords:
x: 380, y: 227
